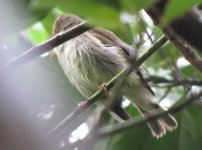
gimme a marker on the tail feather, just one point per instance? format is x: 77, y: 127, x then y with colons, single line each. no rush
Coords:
x: 160, y: 125
x: 157, y: 128
x: 141, y: 95
x: 170, y: 122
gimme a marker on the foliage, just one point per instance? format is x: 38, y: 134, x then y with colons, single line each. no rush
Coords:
x: 124, y: 18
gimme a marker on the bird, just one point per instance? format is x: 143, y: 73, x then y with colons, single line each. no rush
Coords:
x: 97, y: 55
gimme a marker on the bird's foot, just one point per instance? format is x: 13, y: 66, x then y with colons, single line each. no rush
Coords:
x: 104, y: 88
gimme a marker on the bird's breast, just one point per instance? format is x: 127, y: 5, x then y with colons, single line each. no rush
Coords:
x: 87, y: 63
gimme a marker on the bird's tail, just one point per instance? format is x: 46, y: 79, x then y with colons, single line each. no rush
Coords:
x: 157, y: 126
x: 160, y: 125
x: 142, y: 96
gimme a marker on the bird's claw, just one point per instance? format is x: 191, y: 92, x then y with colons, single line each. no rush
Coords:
x: 104, y: 88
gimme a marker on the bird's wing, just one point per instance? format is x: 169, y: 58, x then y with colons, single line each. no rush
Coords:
x: 143, y: 81
x: 109, y: 39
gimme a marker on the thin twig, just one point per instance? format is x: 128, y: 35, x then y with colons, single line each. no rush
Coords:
x: 159, y: 80
x: 87, y: 103
x: 178, y: 76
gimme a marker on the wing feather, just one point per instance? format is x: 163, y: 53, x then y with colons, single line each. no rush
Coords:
x: 109, y: 39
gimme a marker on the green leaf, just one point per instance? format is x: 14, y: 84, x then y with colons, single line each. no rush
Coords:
x: 190, y: 72
x: 18, y: 15
x: 50, y: 18
x: 37, y: 33
x: 176, y: 8
x: 135, y: 5
x: 98, y: 13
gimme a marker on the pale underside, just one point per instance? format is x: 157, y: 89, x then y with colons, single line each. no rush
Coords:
x: 88, y: 63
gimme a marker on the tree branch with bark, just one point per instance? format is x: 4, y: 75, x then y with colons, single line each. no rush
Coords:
x: 46, y: 46
x: 183, y: 28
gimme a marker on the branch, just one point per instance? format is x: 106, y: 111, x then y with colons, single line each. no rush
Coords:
x: 112, y: 130
x: 187, y: 52
x: 157, y: 80
x: 88, y: 102
x: 187, y: 27
x: 121, y: 127
x: 47, y: 45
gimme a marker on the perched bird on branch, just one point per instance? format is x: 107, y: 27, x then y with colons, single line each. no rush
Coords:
x: 93, y: 58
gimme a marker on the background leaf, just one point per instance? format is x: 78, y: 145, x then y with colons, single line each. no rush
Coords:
x: 178, y: 8
x: 29, y: 22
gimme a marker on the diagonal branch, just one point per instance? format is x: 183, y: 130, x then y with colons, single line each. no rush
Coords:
x: 87, y: 103
x: 186, y: 51
x: 159, y: 80
x: 47, y: 45
x: 188, y: 27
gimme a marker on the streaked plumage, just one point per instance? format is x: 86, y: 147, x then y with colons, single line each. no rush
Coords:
x: 94, y: 57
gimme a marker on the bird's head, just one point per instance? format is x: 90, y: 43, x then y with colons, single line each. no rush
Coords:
x: 65, y: 22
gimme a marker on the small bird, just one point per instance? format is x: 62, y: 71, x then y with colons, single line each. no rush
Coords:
x: 93, y: 58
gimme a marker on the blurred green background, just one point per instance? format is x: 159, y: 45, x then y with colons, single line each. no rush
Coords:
x: 25, y: 23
